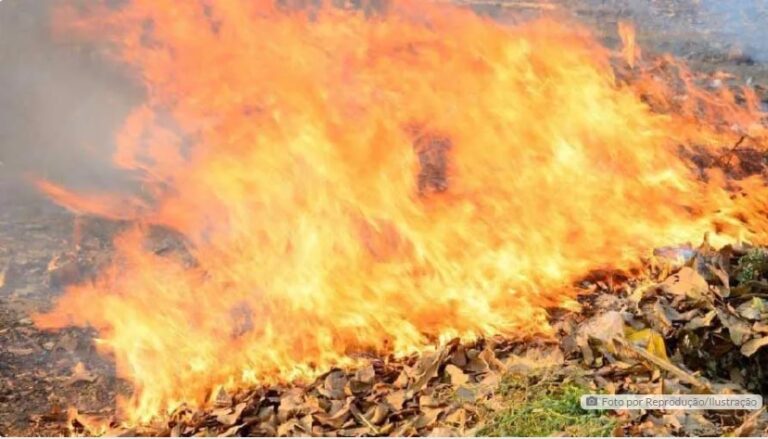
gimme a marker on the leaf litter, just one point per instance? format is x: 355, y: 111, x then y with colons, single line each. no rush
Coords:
x: 668, y: 329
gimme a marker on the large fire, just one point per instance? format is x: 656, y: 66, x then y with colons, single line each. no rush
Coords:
x: 348, y: 182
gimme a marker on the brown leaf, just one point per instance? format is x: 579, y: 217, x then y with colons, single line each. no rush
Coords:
x: 475, y: 362
x: 337, y: 419
x: 686, y: 282
x: 738, y: 329
x: 231, y: 418
x: 467, y: 393
x: 288, y: 427
x: 443, y: 432
x: 354, y: 432
x: 223, y: 399
x: 459, y: 357
x: 489, y: 384
x: 232, y: 431
x: 81, y: 374
x: 458, y: 377
x: 760, y: 327
x: 602, y: 327
x: 752, y: 309
x: 404, y: 429
x: 362, y: 419
x: 333, y: 385
x: 490, y: 358
x: 701, y: 322
x: 427, y: 369
x: 429, y: 401
x: 401, y: 381
x: 750, y: 424
x: 535, y: 358
x: 428, y: 417
x: 458, y: 418
x: 366, y: 374
x: 379, y: 414
x: 290, y: 402
x: 396, y: 399
x: 666, y: 365
x: 305, y: 423
x: 752, y: 346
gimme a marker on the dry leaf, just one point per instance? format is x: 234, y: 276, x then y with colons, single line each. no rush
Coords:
x: 466, y: 394
x: 365, y: 374
x: 602, y: 327
x: 651, y: 340
x: 685, y: 282
x: 738, y: 329
x: 290, y: 402
x: 535, y: 359
x: 490, y: 359
x: 81, y: 374
x: 362, y: 419
x: 354, y: 432
x: 760, y: 327
x: 222, y: 398
x: 752, y: 309
x: 443, y: 432
x: 458, y: 377
x: 402, y: 380
x: 428, y: 401
x: 287, y: 427
x: 231, y: 418
x: 336, y: 419
x: 333, y: 385
x: 379, y: 414
x: 748, y: 427
x: 752, y: 346
x: 459, y: 357
x: 701, y: 322
x: 458, y: 418
x: 475, y: 362
x: 427, y: 369
x: 396, y: 399
x: 232, y: 431
x: 428, y: 417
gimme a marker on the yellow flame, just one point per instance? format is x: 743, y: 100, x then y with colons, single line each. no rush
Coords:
x: 348, y: 183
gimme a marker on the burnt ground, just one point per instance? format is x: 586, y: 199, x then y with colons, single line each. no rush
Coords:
x: 39, y: 373
x: 43, y: 248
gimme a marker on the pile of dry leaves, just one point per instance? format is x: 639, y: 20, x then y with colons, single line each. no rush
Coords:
x: 700, y: 329
x: 435, y: 393
x: 697, y: 328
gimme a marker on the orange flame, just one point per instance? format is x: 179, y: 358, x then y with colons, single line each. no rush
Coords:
x: 629, y: 49
x: 350, y: 183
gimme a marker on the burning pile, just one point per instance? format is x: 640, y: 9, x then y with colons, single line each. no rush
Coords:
x: 350, y: 184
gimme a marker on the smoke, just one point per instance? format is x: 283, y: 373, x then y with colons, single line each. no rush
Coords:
x: 60, y: 101
x: 689, y: 28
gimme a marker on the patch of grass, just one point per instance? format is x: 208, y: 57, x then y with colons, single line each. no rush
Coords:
x: 752, y: 265
x: 545, y: 408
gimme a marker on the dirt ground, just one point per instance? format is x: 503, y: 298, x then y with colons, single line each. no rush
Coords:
x: 43, y: 248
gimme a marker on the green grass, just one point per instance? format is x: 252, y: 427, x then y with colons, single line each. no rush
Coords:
x: 545, y: 408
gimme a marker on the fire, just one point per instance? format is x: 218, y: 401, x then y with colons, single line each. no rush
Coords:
x: 350, y: 183
x: 629, y: 51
